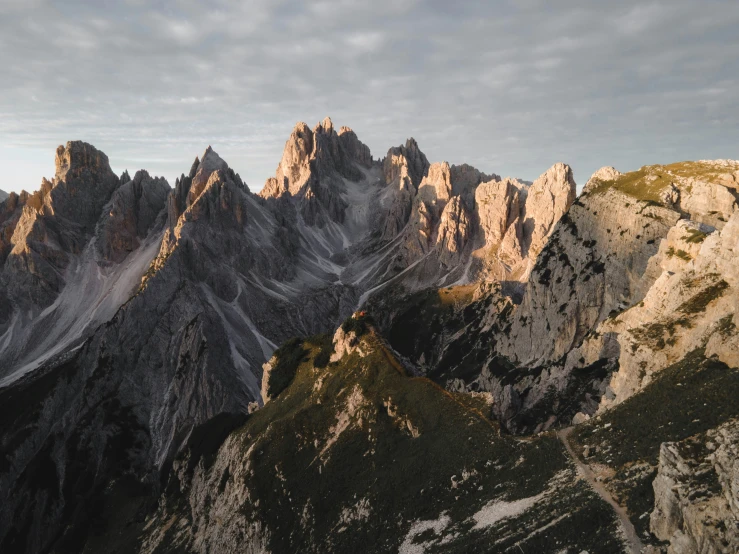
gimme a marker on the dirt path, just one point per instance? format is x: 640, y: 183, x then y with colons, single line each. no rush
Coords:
x: 634, y: 542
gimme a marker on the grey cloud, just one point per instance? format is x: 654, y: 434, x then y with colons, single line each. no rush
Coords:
x: 509, y: 86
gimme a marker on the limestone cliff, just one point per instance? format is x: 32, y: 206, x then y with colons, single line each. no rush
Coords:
x: 696, y: 496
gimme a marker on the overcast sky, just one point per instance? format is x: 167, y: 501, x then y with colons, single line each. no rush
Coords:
x: 510, y: 87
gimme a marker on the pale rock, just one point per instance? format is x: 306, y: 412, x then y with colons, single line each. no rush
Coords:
x: 604, y: 174
x: 694, y: 297
x: 549, y: 197
x: 454, y: 232
x: 345, y: 344
x: 688, y: 513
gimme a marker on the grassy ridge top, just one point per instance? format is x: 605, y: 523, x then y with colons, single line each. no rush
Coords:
x: 648, y: 182
x: 358, y: 456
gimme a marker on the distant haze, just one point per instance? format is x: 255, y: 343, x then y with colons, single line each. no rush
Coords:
x: 510, y: 87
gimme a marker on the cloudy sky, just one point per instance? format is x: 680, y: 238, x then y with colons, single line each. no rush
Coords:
x: 508, y: 86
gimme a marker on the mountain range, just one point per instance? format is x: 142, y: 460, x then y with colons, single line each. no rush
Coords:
x: 369, y: 355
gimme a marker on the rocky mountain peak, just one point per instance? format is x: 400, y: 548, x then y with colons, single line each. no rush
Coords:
x: 314, y: 169
x: 548, y: 199
x: 606, y: 173
x: 132, y: 212
x: 77, y: 157
x: 357, y: 151
x: 189, y: 188
x: 465, y: 178
x: 209, y: 163
x: 406, y: 161
x: 325, y: 126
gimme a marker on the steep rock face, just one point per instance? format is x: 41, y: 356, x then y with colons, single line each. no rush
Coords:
x: 499, y: 206
x: 10, y: 213
x: 593, y: 263
x: 666, y: 429
x: 689, y: 297
x: 696, y: 494
x: 354, y: 148
x: 3, y: 195
x: 166, y: 362
x: 690, y: 305
x: 465, y: 180
x: 628, y: 283
x: 195, y: 297
x: 58, y: 223
x: 622, y: 248
x: 133, y: 211
x: 454, y: 232
x: 549, y: 197
x: 232, y: 278
x: 489, y: 235
x: 313, y: 169
x: 403, y: 169
x: 73, y: 253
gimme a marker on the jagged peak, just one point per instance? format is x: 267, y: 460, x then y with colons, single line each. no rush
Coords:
x: 194, y: 167
x: 76, y: 156
x: 300, y: 128
x: 408, y: 155
x: 548, y: 199
x: 210, y: 156
x: 327, y: 126
x: 143, y: 176
x: 559, y: 175
x: 319, y: 154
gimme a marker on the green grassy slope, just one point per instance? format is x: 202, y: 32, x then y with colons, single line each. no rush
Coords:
x: 358, y: 456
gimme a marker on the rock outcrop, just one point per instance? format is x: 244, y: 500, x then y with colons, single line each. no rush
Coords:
x: 132, y: 211
x: 548, y: 198
x: 57, y: 222
x: 313, y: 169
x: 630, y: 280
x: 73, y: 252
x: 696, y: 505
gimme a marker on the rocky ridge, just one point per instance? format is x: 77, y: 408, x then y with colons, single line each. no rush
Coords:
x: 200, y: 284
x: 526, y: 304
x: 72, y: 253
x: 354, y: 420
